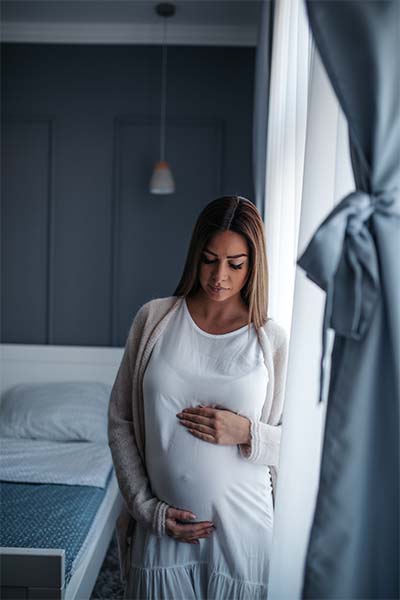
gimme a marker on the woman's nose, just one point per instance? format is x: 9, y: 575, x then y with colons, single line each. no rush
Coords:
x: 219, y: 273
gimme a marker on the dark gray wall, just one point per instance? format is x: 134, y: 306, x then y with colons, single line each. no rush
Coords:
x: 84, y: 244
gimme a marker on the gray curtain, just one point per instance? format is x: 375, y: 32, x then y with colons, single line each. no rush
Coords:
x: 353, y: 549
x: 261, y: 95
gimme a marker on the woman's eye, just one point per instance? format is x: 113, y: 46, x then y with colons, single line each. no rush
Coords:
x: 207, y: 261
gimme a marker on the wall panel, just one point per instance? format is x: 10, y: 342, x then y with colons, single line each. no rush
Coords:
x: 84, y: 243
x: 152, y: 232
x: 26, y: 166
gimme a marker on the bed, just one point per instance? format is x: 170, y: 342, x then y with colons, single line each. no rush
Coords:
x: 59, y: 493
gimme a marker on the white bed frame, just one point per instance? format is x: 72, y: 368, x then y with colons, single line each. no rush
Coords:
x: 39, y: 574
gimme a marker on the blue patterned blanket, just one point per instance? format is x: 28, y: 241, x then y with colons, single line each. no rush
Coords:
x: 48, y: 516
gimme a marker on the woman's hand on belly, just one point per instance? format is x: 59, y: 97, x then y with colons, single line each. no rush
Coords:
x: 216, y: 425
x: 186, y: 532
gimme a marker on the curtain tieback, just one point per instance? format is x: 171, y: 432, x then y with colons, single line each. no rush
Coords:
x: 341, y: 259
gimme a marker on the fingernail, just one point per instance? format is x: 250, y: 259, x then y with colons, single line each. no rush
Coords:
x: 194, y: 516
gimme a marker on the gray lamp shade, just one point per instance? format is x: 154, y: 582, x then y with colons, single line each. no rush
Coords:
x: 162, y: 180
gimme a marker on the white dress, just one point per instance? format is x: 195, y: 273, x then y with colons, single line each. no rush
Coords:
x: 188, y: 367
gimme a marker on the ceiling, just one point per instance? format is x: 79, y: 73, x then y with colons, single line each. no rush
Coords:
x: 196, y: 22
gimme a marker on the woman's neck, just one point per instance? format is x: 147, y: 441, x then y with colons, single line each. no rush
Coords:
x: 210, y: 311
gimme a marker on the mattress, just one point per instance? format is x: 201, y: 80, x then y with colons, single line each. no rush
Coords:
x: 49, y: 516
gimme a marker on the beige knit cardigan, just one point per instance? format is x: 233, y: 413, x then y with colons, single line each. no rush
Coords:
x: 126, y: 432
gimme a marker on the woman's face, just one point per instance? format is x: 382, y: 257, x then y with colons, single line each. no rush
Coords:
x: 224, y: 264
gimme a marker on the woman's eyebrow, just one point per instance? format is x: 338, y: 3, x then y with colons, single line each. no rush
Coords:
x: 235, y: 256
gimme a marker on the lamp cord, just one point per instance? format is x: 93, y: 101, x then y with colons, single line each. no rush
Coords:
x: 163, y: 92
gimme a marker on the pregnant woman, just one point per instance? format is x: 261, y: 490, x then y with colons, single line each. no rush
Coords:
x: 195, y: 421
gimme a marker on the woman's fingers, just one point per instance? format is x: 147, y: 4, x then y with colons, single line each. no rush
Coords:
x: 194, y: 539
x: 192, y: 528
x: 203, y: 534
x: 188, y: 532
x: 177, y: 513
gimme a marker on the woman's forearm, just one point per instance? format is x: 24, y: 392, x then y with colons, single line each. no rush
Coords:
x: 129, y: 468
x: 263, y: 444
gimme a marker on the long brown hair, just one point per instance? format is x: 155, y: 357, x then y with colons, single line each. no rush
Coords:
x: 231, y: 213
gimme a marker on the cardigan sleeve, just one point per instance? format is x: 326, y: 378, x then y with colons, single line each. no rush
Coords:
x: 129, y: 468
x: 265, y: 438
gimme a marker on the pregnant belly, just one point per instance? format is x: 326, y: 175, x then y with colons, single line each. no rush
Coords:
x: 192, y: 474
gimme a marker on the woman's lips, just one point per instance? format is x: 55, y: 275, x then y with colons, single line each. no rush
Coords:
x: 217, y: 290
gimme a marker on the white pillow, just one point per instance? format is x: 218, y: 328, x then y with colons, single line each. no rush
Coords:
x: 60, y: 411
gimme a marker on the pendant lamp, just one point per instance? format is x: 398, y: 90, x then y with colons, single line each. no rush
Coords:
x: 162, y: 180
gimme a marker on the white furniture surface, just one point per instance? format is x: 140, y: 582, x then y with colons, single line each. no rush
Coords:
x: 38, y: 574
